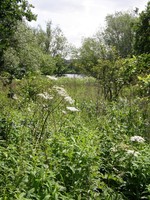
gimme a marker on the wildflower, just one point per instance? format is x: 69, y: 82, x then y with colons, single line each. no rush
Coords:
x: 132, y: 152
x: 69, y: 99
x: 45, y: 95
x: 137, y: 139
x: 73, y: 109
x: 61, y: 91
x: 51, y: 77
x: 15, y: 97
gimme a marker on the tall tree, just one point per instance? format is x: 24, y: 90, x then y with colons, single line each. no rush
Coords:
x: 49, y: 36
x: 91, y: 50
x: 54, y: 43
x: 12, y: 11
x: 142, y: 28
x: 57, y: 46
x: 119, y: 32
x: 25, y: 55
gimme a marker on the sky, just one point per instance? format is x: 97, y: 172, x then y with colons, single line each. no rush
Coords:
x: 79, y: 18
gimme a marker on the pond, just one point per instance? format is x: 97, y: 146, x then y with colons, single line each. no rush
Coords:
x: 74, y: 75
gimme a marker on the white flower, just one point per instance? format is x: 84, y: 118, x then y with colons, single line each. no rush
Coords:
x: 137, y: 139
x: 45, y: 95
x: 69, y: 99
x: 15, y: 97
x: 73, y: 109
x: 51, y: 77
x: 61, y: 91
x: 132, y: 152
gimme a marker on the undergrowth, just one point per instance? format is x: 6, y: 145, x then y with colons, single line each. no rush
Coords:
x: 60, y: 139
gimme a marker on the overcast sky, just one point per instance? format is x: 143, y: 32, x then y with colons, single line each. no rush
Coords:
x: 80, y: 18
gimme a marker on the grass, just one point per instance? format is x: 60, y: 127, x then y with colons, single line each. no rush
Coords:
x: 48, y: 152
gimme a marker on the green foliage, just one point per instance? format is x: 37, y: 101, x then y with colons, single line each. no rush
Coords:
x: 119, y: 32
x: 10, y: 13
x: 123, y: 175
x: 53, y: 43
x: 110, y: 77
x: 115, y: 42
x: 89, y: 53
x: 50, y: 152
x: 25, y: 56
x: 134, y: 69
x: 115, y: 74
x: 61, y: 66
x: 144, y: 83
x: 142, y: 30
x: 48, y: 64
x: 11, y: 60
x: 54, y: 160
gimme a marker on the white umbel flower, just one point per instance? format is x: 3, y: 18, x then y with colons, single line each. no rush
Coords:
x: 62, y: 92
x: 45, y: 95
x: 132, y: 152
x: 69, y: 99
x: 15, y: 97
x: 73, y: 109
x: 137, y: 138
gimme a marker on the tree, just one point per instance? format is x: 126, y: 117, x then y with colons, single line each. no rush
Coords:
x: 54, y: 43
x: 142, y: 30
x: 48, y: 38
x: 25, y: 55
x: 41, y: 37
x: 58, y: 42
x: 119, y: 32
x: 89, y: 53
x: 12, y: 11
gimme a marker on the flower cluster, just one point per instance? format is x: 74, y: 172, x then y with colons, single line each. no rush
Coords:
x: 45, y: 95
x: 73, y: 109
x: 132, y: 152
x: 62, y: 92
x: 69, y: 99
x: 137, y: 139
x: 15, y: 97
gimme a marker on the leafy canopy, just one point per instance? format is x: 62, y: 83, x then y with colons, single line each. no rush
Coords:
x: 12, y: 11
x: 119, y: 32
x: 142, y: 37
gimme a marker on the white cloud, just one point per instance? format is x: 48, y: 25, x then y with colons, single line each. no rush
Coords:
x: 58, y: 5
x: 80, y: 18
